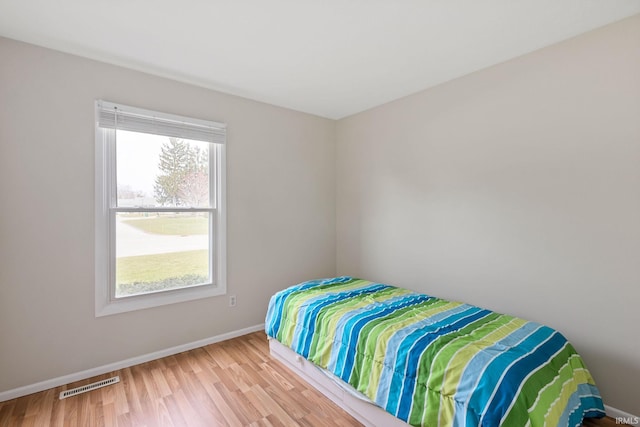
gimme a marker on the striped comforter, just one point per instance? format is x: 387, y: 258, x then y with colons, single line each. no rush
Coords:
x: 432, y: 362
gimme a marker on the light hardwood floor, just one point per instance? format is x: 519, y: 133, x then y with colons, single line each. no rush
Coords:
x: 232, y: 383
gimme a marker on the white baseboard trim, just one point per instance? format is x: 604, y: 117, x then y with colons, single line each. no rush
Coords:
x: 66, y: 379
x: 625, y: 417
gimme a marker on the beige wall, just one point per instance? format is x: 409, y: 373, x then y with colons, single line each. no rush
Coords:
x: 516, y: 188
x: 281, y: 213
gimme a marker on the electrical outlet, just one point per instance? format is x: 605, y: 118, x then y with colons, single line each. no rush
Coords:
x: 232, y: 300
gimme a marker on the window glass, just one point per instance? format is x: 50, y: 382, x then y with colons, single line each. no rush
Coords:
x: 154, y: 170
x: 161, y: 251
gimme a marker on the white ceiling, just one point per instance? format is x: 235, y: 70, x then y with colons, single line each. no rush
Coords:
x: 332, y: 58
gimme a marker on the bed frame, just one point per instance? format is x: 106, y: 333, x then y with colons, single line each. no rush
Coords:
x: 337, y: 391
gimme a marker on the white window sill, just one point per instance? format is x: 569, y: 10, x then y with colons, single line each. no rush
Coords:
x: 104, y: 307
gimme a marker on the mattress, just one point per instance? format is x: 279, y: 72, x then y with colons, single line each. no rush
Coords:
x: 433, y: 362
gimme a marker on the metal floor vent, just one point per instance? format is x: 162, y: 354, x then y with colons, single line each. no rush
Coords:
x: 86, y: 388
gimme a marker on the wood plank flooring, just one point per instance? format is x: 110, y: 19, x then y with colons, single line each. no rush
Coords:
x: 232, y: 383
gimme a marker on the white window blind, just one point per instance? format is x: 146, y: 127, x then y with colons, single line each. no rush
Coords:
x: 123, y: 117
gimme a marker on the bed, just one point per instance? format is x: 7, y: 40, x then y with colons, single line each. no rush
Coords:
x: 431, y: 362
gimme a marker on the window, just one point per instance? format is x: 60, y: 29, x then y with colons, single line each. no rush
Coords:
x: 160, y: 208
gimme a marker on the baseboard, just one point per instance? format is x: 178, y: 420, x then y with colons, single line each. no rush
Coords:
x: 623, y: 417
x: 66, y: 379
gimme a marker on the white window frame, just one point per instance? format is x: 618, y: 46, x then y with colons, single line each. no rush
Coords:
x: 106, y: 208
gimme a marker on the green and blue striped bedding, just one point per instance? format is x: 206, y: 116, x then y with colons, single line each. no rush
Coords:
x: 432, y: 362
